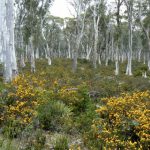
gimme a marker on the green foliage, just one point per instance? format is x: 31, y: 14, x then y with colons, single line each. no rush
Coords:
x: 40, y: 140
x: 12, y: 129
x: 123, y: 121
x: 35, y: 140
x: 83, y: 121
x: 53, y: 115
x: 7, y: 144
x: 61, y: 143
x: 57, y: 101
x: 140, y: 69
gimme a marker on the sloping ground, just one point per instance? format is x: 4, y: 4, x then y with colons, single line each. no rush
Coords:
x: 54, y: 108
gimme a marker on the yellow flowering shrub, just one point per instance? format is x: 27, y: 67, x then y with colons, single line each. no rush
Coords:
x: 124, y: 122
x: 69, y: 95
x: 25, y: 87
x: 76, y: 97
x: 21, y: 102
x: 21, y: 111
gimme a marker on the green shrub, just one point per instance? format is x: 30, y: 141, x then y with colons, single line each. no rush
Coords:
x: 40, y: 140
x: 34, y: 140
x: 75, y: 97
x: 12, y: 129
x: 83, y: 121
x: 123, y: 122
x: 53, y: 115
x: 61, y: 143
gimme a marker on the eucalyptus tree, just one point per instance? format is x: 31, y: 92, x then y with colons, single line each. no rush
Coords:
x: 144, y: 20
x: 19, y: 41
x: 69, y: 35
x: 7, y: 45
x: 129, y: 5
x: 33, y: 17
x: 2, y: 29
x: 118, y: 34
x: 96, y: 19
x: 97, y: 8
x: 80, y: 7
x: 95, y: 25
x: 53, y: 33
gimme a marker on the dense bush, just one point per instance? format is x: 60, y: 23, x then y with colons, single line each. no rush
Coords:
x: 54, y: 116
x: 123, y: 122
x: 75, y: 97
x: 18, y: 105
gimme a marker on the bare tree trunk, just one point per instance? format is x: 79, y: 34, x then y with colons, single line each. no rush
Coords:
x: 119, y: 3
x: 96, y: 27
x: 7, y: 38
x: 75, y: 57
x: 139, y: 55
x: 10, y: 27
x: 99, y: 59
x: 129, y: 6
x: 88, y: 52
x: 37, y: 56
x: 80, y: 23
x: 7, y: 65
x: 22, y: 62
x: 69, y: 49
x: 48, y: 55
x: 107, y: 50
x: 32, y: 57
x: 117, y: 61
x: 144, y: 59
x: 144, y: 75
x: 2, y: 29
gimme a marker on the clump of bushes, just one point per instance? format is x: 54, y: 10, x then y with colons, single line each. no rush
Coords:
x: 123, y: 122
x: 18, y: 106
x: 75, y: 97
x: 54, y: 116
x: 140, y: 69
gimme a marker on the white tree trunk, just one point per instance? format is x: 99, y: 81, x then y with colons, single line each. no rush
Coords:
x: 80, y: 23
x: 10, y: 28
x: 22, y: 62
x: 48, y: 55
x: 144, y: 75
x: 2, y: 25
x: 139, y: 55
x: 37, y: 56
x: 7, y: 48
x: 88, y: 52
x: 117, y: 61
x: 69, y: 49
x: 96, y: 19
x: 129, y: 6
x: 32, y: 57
x: 107, y: 50
x: 149, y: 64
x: 99, y: 59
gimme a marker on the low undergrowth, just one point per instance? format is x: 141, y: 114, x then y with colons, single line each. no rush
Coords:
x: 87, y: 108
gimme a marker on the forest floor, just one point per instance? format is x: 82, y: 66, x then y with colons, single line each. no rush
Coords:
x: 54, y: 108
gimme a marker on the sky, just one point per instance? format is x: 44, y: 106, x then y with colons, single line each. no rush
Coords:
x: 61, y: 8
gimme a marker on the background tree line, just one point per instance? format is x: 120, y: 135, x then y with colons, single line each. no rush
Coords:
x: 100, y: 31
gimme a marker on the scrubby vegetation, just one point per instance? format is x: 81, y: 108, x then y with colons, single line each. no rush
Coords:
x: 57, y: 109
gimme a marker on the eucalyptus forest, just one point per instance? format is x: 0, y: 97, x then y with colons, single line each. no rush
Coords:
x: 75, y: 83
